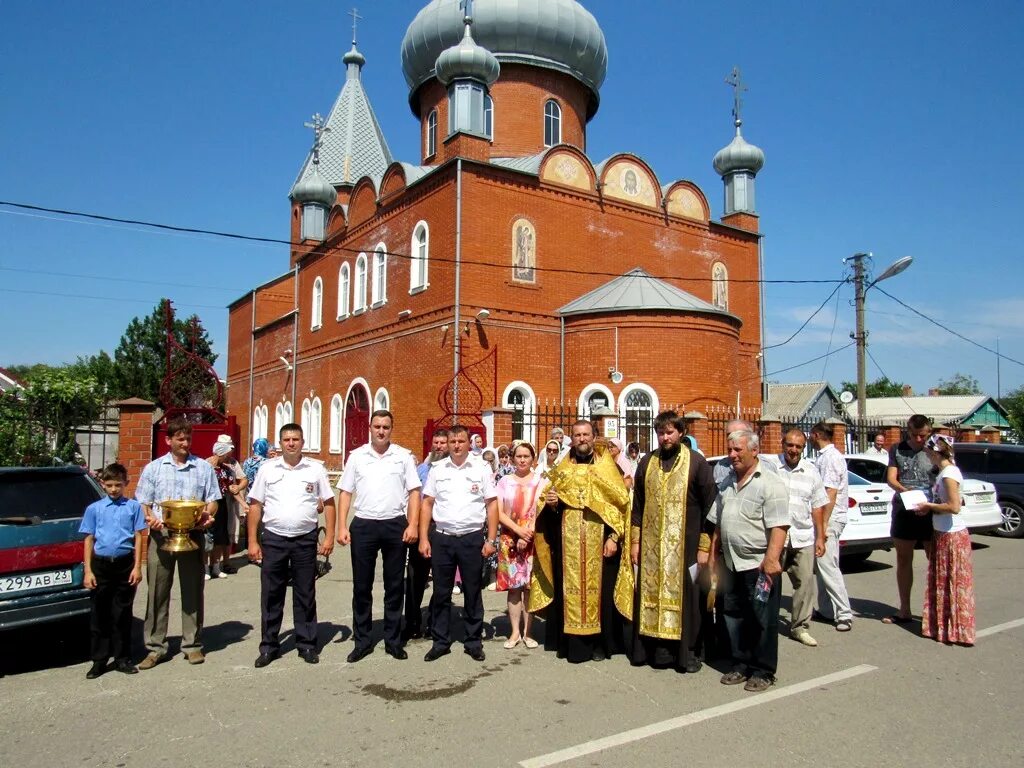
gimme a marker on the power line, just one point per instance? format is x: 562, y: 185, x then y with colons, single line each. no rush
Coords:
x: 808, y: 320
x: 831, y: 336
x: 947, y: 329
x: 111, y: 279
x: 807, y: 362
x: 118, y: 299
x: 872, y: 357
x: 407, y: 257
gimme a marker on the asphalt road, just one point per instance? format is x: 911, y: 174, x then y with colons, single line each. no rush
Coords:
x: 879, y: 695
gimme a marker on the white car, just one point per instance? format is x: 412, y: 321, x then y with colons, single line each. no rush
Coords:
x: 980, y: 510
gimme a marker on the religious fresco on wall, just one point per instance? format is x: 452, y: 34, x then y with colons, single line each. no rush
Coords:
x: 687, y: 203
x: 565, y: 168
x: 629, y: 182
x: 720, y: 286
x: 524, y: 252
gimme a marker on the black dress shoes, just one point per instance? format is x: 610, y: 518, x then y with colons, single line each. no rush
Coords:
x: 309, y: 655
x: 124, y: 666
x: 476, y: 653
x: 265, y: 658
x: 359, y: 653
x: 397, y: 653
x: 97, y: 669
x: 436, y: 652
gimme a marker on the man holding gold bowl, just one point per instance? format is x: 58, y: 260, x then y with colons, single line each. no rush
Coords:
x: 177, y: 476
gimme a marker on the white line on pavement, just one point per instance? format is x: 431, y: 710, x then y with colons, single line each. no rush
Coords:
x: 646, y: 731
x: 1000, y: 628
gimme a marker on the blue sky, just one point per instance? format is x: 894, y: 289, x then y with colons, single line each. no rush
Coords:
x: 888, y: 127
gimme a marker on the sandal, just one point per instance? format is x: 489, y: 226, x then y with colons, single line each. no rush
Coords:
x: 529, y: 642
x: 897, y: 619
x: 510, y: 643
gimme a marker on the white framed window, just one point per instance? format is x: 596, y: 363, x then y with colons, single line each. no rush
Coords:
x: 382, y: 400
x: 595, y: 396
x: 359, y: 297
x: 344, y: 290
x: 420, y: 250
x: 304, y: 421
x: 282, y: 416
x: 488, y: 116
x: 432, y: 133
x: 638, y: 405
x: 552, y: 123
x: 315, y: 425
x: 259, y: 422
x: 317, y: 309
x: 466, y: 108
x: 379, y: 289
x: 334, y: 431
x: 520, y: 398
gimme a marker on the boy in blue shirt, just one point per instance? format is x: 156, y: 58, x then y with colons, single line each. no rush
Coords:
x: 113, y: 569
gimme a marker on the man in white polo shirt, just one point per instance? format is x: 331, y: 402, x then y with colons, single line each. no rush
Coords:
x: 381, y: 487
x: 460, y: 499
x: 285, y: 497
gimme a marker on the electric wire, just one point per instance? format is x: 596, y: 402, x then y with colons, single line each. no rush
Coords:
x: 806, y: 322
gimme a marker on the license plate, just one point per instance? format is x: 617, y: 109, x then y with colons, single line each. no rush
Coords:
x: 874, y: 509
x: 983, y: 498
x: 27, y: 581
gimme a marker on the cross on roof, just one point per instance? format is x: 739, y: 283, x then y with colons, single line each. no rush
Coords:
x: 319, y: 129
x: 736, y: 81
x: 354, y: 13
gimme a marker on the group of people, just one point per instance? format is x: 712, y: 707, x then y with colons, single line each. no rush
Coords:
x: 669, y: 560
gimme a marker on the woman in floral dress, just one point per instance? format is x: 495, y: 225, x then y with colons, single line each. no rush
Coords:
x: 517, y: 512
x: 948, y: 614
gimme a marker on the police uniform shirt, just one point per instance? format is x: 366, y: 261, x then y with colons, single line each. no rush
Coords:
x: 379, y: 483
x: 290, y: 495
x: 460, y: 494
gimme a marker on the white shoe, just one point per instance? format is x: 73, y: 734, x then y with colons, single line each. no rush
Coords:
x: 456, y: 590
x: 803, y: 636
x: 219, y: 574
x: 492, y: 586
x: 206, y: 576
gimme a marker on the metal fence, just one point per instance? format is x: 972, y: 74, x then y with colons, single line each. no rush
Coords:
x: 96, y: 443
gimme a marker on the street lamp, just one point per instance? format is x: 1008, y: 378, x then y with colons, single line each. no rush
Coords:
x: 861, y: 335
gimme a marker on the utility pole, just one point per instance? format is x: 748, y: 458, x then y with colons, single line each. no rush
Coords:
x: 861, y: 338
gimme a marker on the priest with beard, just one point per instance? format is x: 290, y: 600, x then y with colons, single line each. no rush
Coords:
x: 580, y: 583
x: 674, y: 488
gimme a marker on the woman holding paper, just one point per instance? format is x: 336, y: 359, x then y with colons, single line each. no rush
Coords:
x: 948, y: 614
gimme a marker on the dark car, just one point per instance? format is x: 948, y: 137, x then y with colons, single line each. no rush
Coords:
x: 41, y: 568
x: 1003, y: 466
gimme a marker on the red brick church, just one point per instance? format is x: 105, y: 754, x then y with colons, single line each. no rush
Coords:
x: 504, y: 268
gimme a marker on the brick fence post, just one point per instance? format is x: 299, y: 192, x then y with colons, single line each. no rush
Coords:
x: 697, y: 426
x: 499, y: 424
x: 135, y: 443
x: 839, y: 434
x: 771, y: 435
x: 990, y: 435
x: 893, y: 434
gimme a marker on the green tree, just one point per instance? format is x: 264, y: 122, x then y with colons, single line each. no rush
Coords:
x: 140, y: 359
x: 880, y: 387
x: 959, y: 384
x: 1014, y: 405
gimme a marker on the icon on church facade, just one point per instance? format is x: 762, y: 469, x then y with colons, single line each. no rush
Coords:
x: 524, y: 252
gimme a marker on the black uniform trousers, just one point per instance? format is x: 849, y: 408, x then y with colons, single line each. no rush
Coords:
x: 110, y: 617
x: 417, y: 571
x: 368, y: 538
x: 284, y: 557
x: 465, y: 553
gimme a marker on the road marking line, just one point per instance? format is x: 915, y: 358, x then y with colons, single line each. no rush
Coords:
x: 654, y: 729
x: 1000, y: 628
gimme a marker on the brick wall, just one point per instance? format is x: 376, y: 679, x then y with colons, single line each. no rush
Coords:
x: 135, y: 438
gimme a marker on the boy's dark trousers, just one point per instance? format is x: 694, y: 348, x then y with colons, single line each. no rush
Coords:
x: 110, y: 621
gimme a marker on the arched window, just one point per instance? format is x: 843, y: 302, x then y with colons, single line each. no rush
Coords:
x: 359, y: 300
x: 382, y: 400
x: 638, y: 404
x: 595, y: 396
x: 282, y: 416
x: 488, y: 116
x: 259, y: 422
x: 519, y: 398
x: 317, y: 310
x: 720, y: 286
x: 344, y: 290
x: 552, y: 123
x: 315, y: 425
x: 304, y: 420
x: 420, y: 251
x: 432, y: 133
x: 334, y: 438
x: 379, y: 291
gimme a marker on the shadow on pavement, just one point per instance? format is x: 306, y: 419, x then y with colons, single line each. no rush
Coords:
x: 45, y: 646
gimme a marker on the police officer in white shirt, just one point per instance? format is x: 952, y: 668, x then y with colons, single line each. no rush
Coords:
x: 380, y: 484
x: 285, y: 497
x: 460, y: 499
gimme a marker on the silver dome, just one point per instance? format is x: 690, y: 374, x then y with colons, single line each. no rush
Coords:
x: 738, y: 156
x: 314, y: 189
x: 467, y: 60
x: 555, y: 34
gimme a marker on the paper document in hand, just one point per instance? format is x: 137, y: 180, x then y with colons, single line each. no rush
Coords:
x: 693, y: 573
x: 911, y: 499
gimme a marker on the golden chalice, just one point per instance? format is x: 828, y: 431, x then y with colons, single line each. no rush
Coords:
x: 180, y: 517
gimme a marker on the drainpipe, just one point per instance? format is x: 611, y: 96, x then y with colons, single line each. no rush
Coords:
x: 760, y: 287
x: 295, y: 341
x: 252, y: 361
x: 561, y: 362
x: 458, y: 278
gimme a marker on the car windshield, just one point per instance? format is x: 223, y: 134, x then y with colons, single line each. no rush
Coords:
x: 858, y: 480
x: 46, y: 495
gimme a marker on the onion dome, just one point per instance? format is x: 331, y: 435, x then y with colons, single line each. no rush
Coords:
x: 738, y: 156
x: 354, y: 57
x: 467, y: 61
x: 559, y: 35
x: 314, y: 188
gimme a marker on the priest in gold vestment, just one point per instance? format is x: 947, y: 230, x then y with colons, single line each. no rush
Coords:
x: 581, y: 584
x: 673, y: 490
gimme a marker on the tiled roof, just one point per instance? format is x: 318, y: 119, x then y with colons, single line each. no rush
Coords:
x: 638, y: 290
x: 940, y: 408
x: 529, y: 164
x: 355, y: 145
x: 792, y: 399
